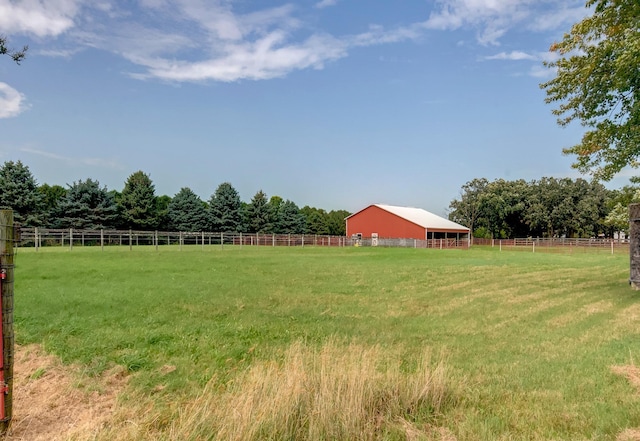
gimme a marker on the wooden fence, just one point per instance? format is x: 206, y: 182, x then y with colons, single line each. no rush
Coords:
x: 557, y: 244
x: 46, y: 237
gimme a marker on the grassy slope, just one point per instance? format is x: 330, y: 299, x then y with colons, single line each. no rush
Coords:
x: 532, y: 336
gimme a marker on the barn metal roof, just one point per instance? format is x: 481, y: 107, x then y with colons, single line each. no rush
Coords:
x: 422, y: 217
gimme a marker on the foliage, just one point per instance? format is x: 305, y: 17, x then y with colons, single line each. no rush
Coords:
x: 466, y: 210
x: 259, y: 215
x: 19, y: 191
x: 137, y: 202
x: 289, y: 220
x: 86, y: 206
x: 549, y: 207
x: 187, y: 212
x: 16, y: 55
x: 51, y: 195
x: 618, y: 216
x: 224, y: 209
x: 336, y: 222
x: 315, y: 220
x: 162, y: 207
x: 598, y: 84
x: 564, y: 207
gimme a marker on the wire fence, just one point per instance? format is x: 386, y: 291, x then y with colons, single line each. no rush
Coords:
x: 557, y: 245
x: 46, y: 237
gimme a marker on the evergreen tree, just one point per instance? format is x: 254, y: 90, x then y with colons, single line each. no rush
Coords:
x: 19, y: 192
x: 51, y: 195
x: 224, y: 209
x: 162, y: 206
x: 138, y: 203
x: 187, y: 212
x: 315, y: 220
x: 289, y: 219
x: 259, y: 214
x: 86, y: 206
x: 336, y: 222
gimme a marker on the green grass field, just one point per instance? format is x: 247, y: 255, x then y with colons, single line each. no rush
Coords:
x: 527, y: 340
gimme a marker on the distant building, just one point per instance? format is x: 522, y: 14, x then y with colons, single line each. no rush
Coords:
x: 388, y: 221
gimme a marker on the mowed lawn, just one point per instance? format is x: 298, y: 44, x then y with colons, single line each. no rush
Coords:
x: 529, y: 339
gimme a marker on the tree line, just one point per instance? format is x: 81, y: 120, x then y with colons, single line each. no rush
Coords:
x: 86, y: 204
x: 548, y: 207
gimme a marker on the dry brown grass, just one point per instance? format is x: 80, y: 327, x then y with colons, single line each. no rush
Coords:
x: 55, y: 402
x: 632, y: 373
x: 341, y: 392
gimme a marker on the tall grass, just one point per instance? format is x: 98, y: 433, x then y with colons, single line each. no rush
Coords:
x: 338, y: 392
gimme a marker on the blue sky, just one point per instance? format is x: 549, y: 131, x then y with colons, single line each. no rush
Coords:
x: 335, y: 104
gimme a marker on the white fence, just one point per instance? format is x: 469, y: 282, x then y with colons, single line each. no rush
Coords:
x: 557, y: 244
x: 41, y: 237
x: 46, y: 237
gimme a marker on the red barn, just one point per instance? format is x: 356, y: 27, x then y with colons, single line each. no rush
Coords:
x: 388, y: 221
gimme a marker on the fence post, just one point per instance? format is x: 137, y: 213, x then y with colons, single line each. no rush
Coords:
x: 634, y: 246
x: 203, y: 240
x: 6, y: 289
x: 101, y: 239
x: 180, y: 239
x: 156, y: 239
x: 130, y: 240
x: 70, y: 239
x: 222, y: 241
x: 35, y: 233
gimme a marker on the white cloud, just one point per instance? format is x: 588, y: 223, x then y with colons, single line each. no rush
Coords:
x: 560, y: 17
x: 262, y: 59
x: 325, y: 3
x: 59, y: 53
x: 540, y: 71
x: 39, y: 17
x: 207, y: 41
x: 379, y: 35
x: 76, y: 161
x: 12, y: 102
x: 210, y: 40
x: 492, y: 19
x: 513, y: 55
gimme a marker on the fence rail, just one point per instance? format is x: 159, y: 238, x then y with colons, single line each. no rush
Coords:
x: 47, y: 237
x: 557, y: 244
